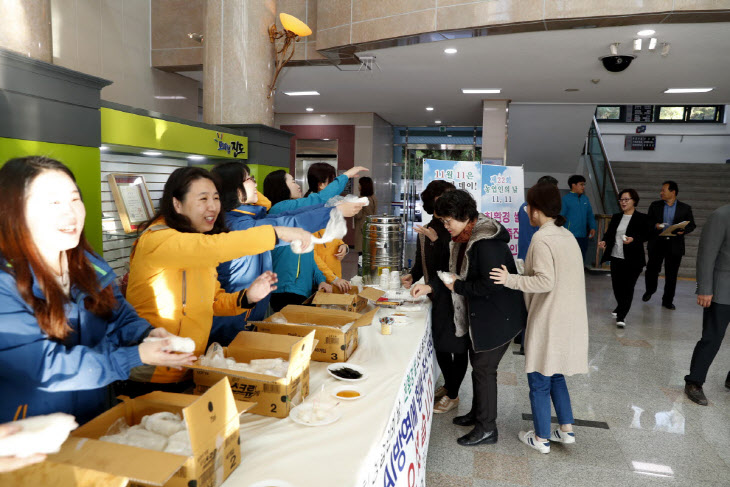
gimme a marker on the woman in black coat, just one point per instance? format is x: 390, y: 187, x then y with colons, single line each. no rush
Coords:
x: 490, y: 314
x: 623, y: 245
x: 432, y: 255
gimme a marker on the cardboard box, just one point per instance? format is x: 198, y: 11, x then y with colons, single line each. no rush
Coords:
x: 352, y: 301
x: 335, y: 345
x: 212, y: 422
x: 275, y: 396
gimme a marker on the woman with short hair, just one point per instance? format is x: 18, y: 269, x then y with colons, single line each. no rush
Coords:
x: 66, y: 332
x: 623, y: 245
x: 556, y: 338
x: 490, y: 314
x: 432, y: 256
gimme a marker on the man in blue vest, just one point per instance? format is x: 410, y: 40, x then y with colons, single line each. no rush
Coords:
x: 578, y: 212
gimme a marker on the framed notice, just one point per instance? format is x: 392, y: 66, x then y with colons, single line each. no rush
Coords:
x: 640, y: 142
x: 132, y: 199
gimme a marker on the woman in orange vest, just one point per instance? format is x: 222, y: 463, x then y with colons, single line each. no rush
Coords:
x: 173, y: 280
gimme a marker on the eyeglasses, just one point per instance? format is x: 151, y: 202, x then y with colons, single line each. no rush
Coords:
x: 446, y: 221
x: 625, y: 200
x: 250, y: 178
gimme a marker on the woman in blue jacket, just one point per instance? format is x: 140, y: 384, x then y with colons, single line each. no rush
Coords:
x: 66, y: 332
x: 298, y: 274
x: 238, y: 200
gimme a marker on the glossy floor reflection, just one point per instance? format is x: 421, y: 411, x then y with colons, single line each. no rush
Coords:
x: 656, y: 435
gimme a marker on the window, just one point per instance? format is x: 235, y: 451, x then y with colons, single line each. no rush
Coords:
x: 608, y: 113
x: 690, y: 114
x: 671, y: 114
x: 703, y: 113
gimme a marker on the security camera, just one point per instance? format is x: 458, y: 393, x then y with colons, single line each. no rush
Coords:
x: 616, y: 64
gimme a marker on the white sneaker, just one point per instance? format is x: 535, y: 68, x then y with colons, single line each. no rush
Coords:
x: 562, y: 437
x: 621, y: 324
x: 615, y: 315
x: 528, y: 438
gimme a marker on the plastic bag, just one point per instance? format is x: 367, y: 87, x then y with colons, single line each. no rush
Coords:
x: 446, y: 277
x: 336, y: 229
x: 214, y: 357
x: 164, y: 423
x: 177, y: 344
x: 179, y: 444
x: 39, y: 434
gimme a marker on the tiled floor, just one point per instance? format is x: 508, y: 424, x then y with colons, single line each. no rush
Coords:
x: 656, y: 436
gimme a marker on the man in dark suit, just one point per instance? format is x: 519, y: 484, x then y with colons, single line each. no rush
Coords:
x: 713, y: 294
x: 662, y: 213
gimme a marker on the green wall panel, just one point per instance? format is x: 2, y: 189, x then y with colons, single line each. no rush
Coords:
x: 84, y: 162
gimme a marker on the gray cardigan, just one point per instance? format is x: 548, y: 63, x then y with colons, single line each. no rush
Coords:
x: 713, y: 257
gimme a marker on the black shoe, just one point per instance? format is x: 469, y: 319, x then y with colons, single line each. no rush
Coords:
x: 466, y: 420
x: 694, y: 392
x: 669, y: 306
x: 646, y: 297
x: 727, y: 381
x: 477, y: 436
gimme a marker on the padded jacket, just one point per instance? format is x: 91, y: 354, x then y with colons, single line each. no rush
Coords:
x: 40, y: 375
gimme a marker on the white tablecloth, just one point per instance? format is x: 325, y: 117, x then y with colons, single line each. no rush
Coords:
x: 371, y: 444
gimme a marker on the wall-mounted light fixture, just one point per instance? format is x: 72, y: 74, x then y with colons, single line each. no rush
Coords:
x: 293, y: 30
x: 196, y: 37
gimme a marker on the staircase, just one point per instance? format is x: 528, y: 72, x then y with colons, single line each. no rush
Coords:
x: 705, y: 187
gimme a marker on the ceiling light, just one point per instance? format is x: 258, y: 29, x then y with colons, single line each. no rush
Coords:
x: 437, y: 121
x: 450, y: 50
x: 647, y: 32
x: 195, y: 157
x: 325, y: 139
x: 170, y: 97
x: 652, y: 43
x: 309, y: 109
x: 151, y: 153
x: 469, y: 90
x: 637, y: 44
x: 302, y: 93
x: 323, y: 115
x: 103, y: 148
x: 429, y: 109
x: 688, y: 90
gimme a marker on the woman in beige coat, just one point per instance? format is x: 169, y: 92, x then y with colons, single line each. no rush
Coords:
x: 556, y: 339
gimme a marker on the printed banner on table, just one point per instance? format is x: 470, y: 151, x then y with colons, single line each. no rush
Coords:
x: 503, y: 192
x: 400, y: 461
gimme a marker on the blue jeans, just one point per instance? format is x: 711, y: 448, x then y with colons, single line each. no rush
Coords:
x: 542, y: 389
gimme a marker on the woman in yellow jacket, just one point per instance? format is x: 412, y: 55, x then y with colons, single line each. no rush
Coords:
x: 173, y: 281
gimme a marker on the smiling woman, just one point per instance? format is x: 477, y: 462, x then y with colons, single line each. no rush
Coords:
x: 66, y: 332
x: 173, y: 281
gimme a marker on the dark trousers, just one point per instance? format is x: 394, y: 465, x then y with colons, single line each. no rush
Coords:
x: 661, y: 253
x: 583, y: 244
x: 484, y: 378
x: 623, y: 280
x: 453, y: 366
x: 279, y: 300
x: 714, y: 325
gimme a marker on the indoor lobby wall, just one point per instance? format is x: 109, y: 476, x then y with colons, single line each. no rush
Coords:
x: 361, y: 122
x: 111, y: 39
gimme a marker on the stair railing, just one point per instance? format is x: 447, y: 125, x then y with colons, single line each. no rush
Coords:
x: 600, y: 166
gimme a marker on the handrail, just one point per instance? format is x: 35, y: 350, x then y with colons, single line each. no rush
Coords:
x: 605, y: 156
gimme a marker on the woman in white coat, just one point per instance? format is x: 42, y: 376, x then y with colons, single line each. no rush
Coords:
x: 556, y: 338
